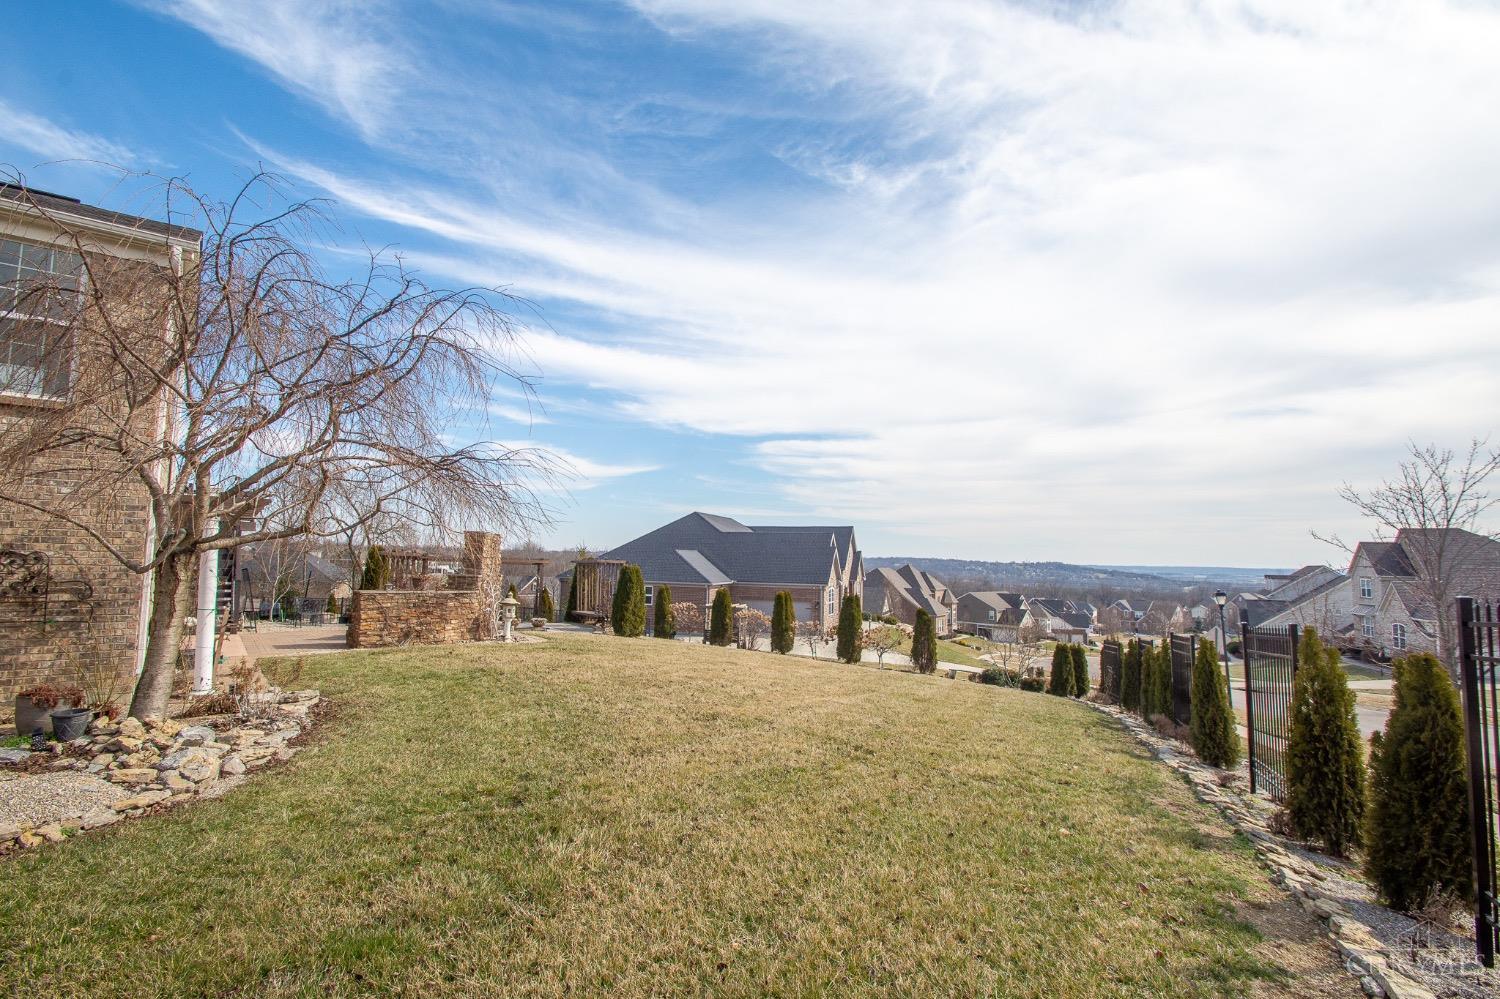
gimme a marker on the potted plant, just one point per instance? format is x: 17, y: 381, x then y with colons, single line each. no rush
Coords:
x: 70, y: 723
x: 34, y: 704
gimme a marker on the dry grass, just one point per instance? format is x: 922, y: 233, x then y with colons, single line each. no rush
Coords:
x: 637, y: 817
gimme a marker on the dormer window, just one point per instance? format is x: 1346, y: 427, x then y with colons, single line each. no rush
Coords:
x: 1366, y: 588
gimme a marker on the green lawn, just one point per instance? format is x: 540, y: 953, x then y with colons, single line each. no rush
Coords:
x: 952, y: 652
x: 638, y: 817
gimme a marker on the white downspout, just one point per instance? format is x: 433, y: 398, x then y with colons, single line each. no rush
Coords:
x: 208, y: 590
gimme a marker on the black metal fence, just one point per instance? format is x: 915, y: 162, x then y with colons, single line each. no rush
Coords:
x: 1109, y: 670
x: 1479, y: 675
x: 1183, y: 648
x: 1270, y: 670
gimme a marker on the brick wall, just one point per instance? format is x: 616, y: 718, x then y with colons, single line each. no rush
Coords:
x: 91, y: 643
x: 383, y: 618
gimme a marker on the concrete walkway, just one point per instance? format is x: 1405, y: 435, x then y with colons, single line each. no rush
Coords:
x: 276, y: 639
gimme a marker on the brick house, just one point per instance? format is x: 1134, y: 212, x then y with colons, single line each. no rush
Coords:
x: 702, y: 553
x: 993, y: 615
x: 1391, y: 614
x: 68, y: 611
x: 904, y: 590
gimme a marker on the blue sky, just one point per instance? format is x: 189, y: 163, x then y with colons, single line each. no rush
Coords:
x: 1135, y: 282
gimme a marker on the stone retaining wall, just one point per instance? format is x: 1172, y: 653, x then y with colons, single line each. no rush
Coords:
x: 384, y: 618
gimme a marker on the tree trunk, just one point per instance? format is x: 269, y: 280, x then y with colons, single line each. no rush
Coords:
x: 171, y: 597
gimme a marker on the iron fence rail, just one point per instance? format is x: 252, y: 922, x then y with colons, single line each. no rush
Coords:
x: 1479, y: 677
x: 1270, y: 672
x: 1183, y: 648
x: 1109, y: 670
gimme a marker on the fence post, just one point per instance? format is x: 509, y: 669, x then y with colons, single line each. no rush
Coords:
x: 1249, y: 699
x: 1474, y: 746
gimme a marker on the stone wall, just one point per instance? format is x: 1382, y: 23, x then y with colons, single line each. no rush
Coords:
x: 383, y: 618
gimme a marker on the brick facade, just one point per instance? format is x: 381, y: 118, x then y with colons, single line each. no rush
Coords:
x: 383, y: 618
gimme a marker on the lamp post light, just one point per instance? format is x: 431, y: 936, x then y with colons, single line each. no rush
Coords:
x: 1221, y: 598
x: 508, y: 613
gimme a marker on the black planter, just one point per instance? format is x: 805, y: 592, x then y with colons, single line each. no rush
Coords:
x: 71, y: 723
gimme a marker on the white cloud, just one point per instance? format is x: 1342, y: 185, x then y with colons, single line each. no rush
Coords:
x: 337, y: 52
x: 45, y: 138
x: 1139, y: 282
x: 578, y: 471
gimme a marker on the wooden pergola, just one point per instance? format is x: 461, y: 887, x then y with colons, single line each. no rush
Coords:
x: 596, y: 579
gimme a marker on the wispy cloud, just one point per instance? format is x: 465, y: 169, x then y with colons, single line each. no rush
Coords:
x: 1052, y: 280
x: 52, y: 141
x: 336, y: 52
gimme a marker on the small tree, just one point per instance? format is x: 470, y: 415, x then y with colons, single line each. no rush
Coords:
x: 332, y: 607
x: 783, y: 623
x: 812, y: 634
x: 1147, y: 679
x: 1080, y: 671
x: 1325, y: 771
x: 571, y: 609
x: 545, y: 607
x: 1212, y: 731
x: 721, y: 620
x: 664, y: 622
x: 1164, y: 678
x: 377, y: 570
x: 687, y: 617
x: 1060, y: 682
x: 749, y: 626
x: 1417, y: 824
x: 850, y: 628
x: 924, y: 643
x: 628, y: 615
x: 513, y: 594
x: 1130, y: 676
x: 884, y: 639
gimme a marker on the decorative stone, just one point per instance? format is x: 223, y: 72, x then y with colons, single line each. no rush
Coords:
x: 99, y: 816
x: 14, y: 756
x: 131, y: 728
x: 174, y: 781
x: 51, y: 832
x: 285, y: 753
x: 143, y: 800
x: 197, y: 735
x: 199, y: 766
x: 9, y: 830
x: 124, y: 744
x: 132, y: 775
x: 232, y: 766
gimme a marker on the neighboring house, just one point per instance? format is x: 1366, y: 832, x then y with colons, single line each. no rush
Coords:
x: 993, y: 615
x: 1062, y: 619
x: 1392, y: 614
x: 1320, y: 599
x: 68, y: 611
x: 701, y: 553
x: 266, y: 578
x: 904, y: 590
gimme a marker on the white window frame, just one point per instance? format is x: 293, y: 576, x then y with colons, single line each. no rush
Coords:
x: 992, y: 613
x: 1366, y: 588
x: 40, y: 394
x: 1398, y: 636
x: 1367, y: 628
x: 650, y: 592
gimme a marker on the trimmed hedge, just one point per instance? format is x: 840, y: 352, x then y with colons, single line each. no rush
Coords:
x: 1325, y: 769
x: 924, y: 643
x: 1060, y: 682
x: 849, y: 629
x: 721, y: 620
x: 1212, y: 731
x: 628, y: 615
x: 664, y: 621
x: 1080, y: 671
x: 783, y: 623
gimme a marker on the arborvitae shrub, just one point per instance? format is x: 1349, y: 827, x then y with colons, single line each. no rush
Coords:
x: 721, y: 620
x: 545, y: 607
x: 849, y: 630
x: 783, y: 623
x: 629, y: 612
x: 1163, y: 695
x: 377, y: 571
x: 924, y: 643
x: 1060, y: 682
x: 663, y: 621
x: 513, y: 594
x: 1080, y: 671
x: 1111, y: 680
x: 571, y: 608
x: 1417, y: 823
x: 1325, y: 770
x: 1130, y: 676
x: 332, y: 607
x: 1212, y: 731
x: 1147, y: 673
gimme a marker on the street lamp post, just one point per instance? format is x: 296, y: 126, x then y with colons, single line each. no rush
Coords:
x: 1221, y: 598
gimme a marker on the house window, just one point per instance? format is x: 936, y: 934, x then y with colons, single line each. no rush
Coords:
x: 650, y: 592
x: 39, y: 286
x: 831, y: 605
x: 1398, y: 636
x: 992, y: 615
x: 1366, y: 588
x: 1368, y: 628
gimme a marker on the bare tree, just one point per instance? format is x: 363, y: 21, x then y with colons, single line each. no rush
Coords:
x: 883, y: 639
x: 688, y: 617
x: 249, y: 396
x: 813, y: 634
x: 1433, y: 506
x: 750, y: 626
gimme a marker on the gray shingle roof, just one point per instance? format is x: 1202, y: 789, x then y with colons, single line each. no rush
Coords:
x: 57, y: 204
x: 713, y: 550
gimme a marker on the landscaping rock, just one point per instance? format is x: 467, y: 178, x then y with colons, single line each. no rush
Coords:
x: 14, y: 756
x: 132, y: 775
x: 232, y: 766
x: 96, y: 817
x: 131, y: 728
x: 124, y: 744
x: 143, y: 800
x: 174, y: 781
x: 194, y: 764
x: 51, y: 832
x: 197, y: 735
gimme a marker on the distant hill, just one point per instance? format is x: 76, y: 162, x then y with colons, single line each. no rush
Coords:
x: 1034, y: 575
